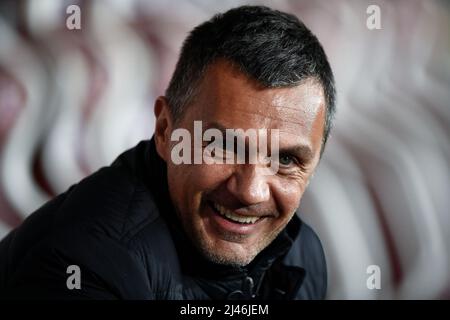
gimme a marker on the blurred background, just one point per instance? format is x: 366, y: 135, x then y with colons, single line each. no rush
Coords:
x: 72, y: 100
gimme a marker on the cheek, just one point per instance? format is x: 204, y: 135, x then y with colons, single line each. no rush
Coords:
x: 190, y: 182
x: 287, y: 195
x: 206, y: 178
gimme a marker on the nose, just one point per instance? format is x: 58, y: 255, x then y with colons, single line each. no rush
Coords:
x: 248, y: 185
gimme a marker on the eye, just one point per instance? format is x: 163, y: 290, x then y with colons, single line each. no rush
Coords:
x: 286, y: 160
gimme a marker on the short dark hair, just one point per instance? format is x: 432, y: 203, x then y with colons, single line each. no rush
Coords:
x: 272, y: 47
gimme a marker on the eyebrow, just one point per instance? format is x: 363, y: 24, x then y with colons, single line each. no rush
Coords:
x: 302, y: 151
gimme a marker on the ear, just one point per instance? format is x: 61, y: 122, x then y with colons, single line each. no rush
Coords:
x: 163, y: 127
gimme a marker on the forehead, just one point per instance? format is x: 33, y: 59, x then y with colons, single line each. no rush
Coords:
x: 229, y: 97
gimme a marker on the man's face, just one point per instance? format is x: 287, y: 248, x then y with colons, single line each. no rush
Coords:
x: 211, y: 198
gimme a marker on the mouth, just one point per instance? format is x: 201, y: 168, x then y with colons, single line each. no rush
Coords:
x: 233, y: 226
x: 234, y: 217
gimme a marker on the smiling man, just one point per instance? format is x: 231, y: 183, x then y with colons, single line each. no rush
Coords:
x: 150, y: 227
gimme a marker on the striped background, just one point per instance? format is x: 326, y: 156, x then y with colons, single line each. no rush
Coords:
x: 71, y: 101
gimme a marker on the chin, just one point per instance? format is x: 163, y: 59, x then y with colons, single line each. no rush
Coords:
x: 227, y: 252
x: 228, y: 258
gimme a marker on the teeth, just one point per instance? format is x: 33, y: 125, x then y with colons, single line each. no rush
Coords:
x: 235, y: 217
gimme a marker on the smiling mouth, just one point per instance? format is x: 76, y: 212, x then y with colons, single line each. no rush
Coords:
x: 233, y: 217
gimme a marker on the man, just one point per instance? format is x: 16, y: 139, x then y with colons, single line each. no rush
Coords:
x: 150, y: 227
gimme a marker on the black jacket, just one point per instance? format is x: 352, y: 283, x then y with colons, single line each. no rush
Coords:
x: 119, y: 227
